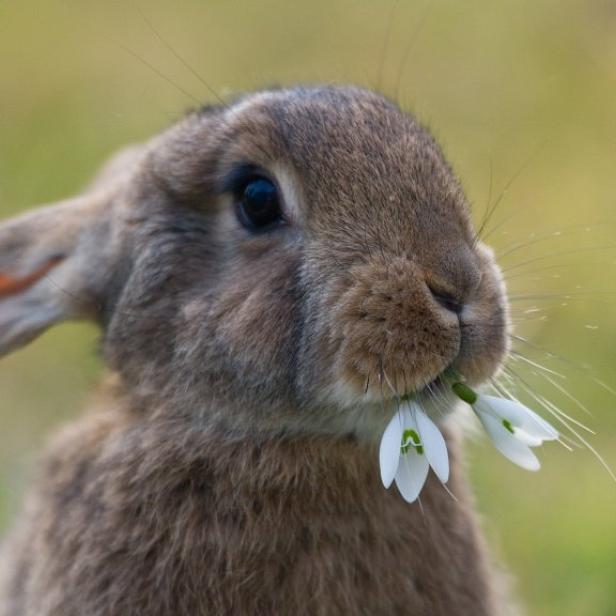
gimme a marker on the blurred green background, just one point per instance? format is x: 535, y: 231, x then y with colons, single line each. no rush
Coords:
x: 522, y: 95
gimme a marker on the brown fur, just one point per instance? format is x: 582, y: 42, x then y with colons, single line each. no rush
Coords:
x: 161, y: 519
x: 232, y: 467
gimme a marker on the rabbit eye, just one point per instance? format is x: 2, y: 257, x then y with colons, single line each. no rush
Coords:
x: 258, y: 205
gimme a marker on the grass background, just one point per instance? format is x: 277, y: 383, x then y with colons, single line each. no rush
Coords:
x: 505, y: 86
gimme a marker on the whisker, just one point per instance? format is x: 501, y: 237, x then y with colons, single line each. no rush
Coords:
x: 568, y: 443
x: 597, y: 455
x: 489, y: 200
x: 179, y: 57
x: 438, y: 400
x: 567, y: 394
x: 519, y: 356
x: 394, y: 391
x: 564, y: 415
x: 499, y: 225
x: 509, y: 183
x: 536, y: 239
x: 583, y: 368
x: 406, y: 54
x: 558, y: 254
x: 558, y: 413
x: 563, y: 266
x: 386, y: 42
x: 455, y: 498
x: 562, y: 295
x: 542, y: 402
x: 605, y: 386
x: 563, y: 441
x: 160, y: 74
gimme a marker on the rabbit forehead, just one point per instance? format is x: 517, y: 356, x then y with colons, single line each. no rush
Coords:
x: 358, y: 159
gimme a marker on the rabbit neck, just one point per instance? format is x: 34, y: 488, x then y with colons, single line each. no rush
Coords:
x: 177, y: 519
x: 307, y: 520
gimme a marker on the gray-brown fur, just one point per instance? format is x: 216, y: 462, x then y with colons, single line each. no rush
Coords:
x: 231, y: 467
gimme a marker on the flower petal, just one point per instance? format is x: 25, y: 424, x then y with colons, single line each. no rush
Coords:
x: 526, y: 438
x: 408, y: 420
x: 512, y: 448
x: 434, y: 444
x: 389, y: 451
x: 518, y: 415
x: 548, y: 427
x: 411, y: 475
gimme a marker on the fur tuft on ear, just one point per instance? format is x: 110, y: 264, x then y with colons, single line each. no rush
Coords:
x: 54, y: 262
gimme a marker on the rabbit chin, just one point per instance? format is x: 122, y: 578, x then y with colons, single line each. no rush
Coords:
x: 345, y: 395
x: 363, y: 410
x: 344, y: 411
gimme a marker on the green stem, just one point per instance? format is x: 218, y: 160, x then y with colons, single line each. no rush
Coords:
x: 452, y: 375
x: 464, y: 392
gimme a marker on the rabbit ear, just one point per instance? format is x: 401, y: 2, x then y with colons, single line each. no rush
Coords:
x: 54, y: 263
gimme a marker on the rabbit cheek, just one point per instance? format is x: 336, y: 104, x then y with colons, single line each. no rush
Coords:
x: 248, y: 326
x: 254, y: 327
x: 390, y: 331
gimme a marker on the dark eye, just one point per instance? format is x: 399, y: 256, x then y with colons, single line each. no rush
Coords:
x: 258, y: 205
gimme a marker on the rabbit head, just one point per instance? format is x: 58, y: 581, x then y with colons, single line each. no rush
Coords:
x: 292, y: 261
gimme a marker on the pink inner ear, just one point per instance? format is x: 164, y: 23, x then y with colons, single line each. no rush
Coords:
x: 11, y: 286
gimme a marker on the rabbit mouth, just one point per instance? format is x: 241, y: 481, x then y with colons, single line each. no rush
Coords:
x: 437, y: 394
x: 386, y: 386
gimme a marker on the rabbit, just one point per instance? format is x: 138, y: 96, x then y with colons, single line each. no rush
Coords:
x: 269, y: 276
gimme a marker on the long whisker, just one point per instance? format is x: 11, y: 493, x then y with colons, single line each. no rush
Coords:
x: 514, y: 177
x: 160, y: 74
x: 490, y: 187
x: 584, y: 368
x: 536, y: 239
x: 516, y: 355
x: 567, y: 442
x: 563, y: 417
x: 563, y: 295
x: 558, y: 254
x: 386, y: 42
x: 179, y: 57
x: 437, y: 399
x: 394, y: 391
x: 406, y: 54
x: 597, y: 455
x: 563, y: 266
x: 559, y: 415
x: 581, y: 368
x: 567, y: 394
x: 499, y: 225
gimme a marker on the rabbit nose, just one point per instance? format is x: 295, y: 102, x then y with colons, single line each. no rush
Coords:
x: 447, y: 300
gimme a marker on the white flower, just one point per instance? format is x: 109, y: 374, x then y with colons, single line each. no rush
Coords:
x: 410, y: 445
x: 513, y: 427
